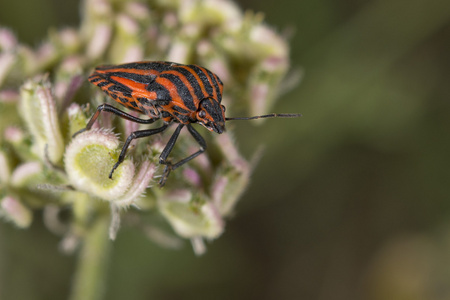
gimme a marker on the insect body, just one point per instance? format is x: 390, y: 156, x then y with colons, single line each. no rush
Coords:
x: 175, y: 93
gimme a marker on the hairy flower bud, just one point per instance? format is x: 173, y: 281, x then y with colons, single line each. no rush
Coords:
x: 90, y: 157
x: 39, y: 112
x: 191, y: 217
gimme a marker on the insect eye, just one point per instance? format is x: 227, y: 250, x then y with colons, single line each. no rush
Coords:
x: 202, y: 114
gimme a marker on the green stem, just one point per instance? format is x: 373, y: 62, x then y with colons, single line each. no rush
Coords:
x: 90, y: 277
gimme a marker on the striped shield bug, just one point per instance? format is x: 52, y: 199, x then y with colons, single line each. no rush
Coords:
x: 173, y: 92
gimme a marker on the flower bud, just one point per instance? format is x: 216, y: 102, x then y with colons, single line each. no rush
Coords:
x: 162, y: 238
x: 13, y: 210
x: 99, y: 41
x: 8, y: 57
x: 66, y: 40
x: 140, y: 183
x: 89, y: 159
x: 7, y: 61
x: 17, y: 138
x: 97, y: 27
x: 126, y: 45
x: 7, y: 40
x: 5, y: 171
x: 9, y: 96
x: 227, y: 189
x: 46, y: 55
x: 268, y: 42
x: 52, y: 219
x: 68, y: 79
x: 25, y: 173
x: 38, y: 110
x: 191, y: 217
x: 273, y: 53
x: 211, y: 13
x: 14, y: 135
x: 198, y: 245
x: 192, y: 177
x: 137, y: 10
x: 77, y: 118
x: 230, y: 183
x: 179, y: 50
x: 8, y: 109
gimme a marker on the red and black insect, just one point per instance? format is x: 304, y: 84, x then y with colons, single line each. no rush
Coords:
x: 173, y: 92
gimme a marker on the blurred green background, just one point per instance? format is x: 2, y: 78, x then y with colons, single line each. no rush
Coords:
x: 349, y: 202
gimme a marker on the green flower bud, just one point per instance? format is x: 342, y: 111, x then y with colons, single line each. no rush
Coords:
x: 66, y: 40
x: 190, y: 217
x: 140, y: 183
x: 38, y: 109
x: 77, y: 118
x: 211, y: 13
x: 232, y: 179
x: 126, y: 46
x: 90, y: 157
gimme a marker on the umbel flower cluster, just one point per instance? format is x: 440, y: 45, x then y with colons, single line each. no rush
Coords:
x: 45, y: 98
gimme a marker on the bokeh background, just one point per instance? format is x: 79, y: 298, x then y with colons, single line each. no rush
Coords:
x: 349, y: 202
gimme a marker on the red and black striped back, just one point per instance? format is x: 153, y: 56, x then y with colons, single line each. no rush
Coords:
x: 174, y: 88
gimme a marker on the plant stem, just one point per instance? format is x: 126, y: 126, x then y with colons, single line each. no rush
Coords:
x: 90, y: 277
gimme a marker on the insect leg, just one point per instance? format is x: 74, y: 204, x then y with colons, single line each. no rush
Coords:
x: 109, y: 108
x: 169, y: 147
x: 135, y: 135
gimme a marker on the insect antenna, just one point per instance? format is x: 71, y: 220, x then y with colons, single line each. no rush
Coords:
x: 266, y: 116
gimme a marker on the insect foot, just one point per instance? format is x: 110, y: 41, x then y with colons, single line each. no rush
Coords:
x: 165, y: 174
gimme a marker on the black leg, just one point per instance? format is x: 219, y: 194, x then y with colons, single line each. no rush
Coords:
x: 109, y: 108
x: 170, y: 144
x: 135, y: 135
x: 169, y: 147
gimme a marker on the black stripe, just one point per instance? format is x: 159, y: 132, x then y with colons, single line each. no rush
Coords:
x: 159, y: 66
x: 94, y: 78
x: 144, y: 101
x: 117, y: 87
x: 162, y: 94
x: 193, y: 81
x: 165, y: 114
x: 179, y: 109
x: 204, y: 79
x: 102, y: 84
x: 145, y: 79
x: 123, y: 100
x: 218, y: 80
x: 182, y: 90
x: 216, y: 86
